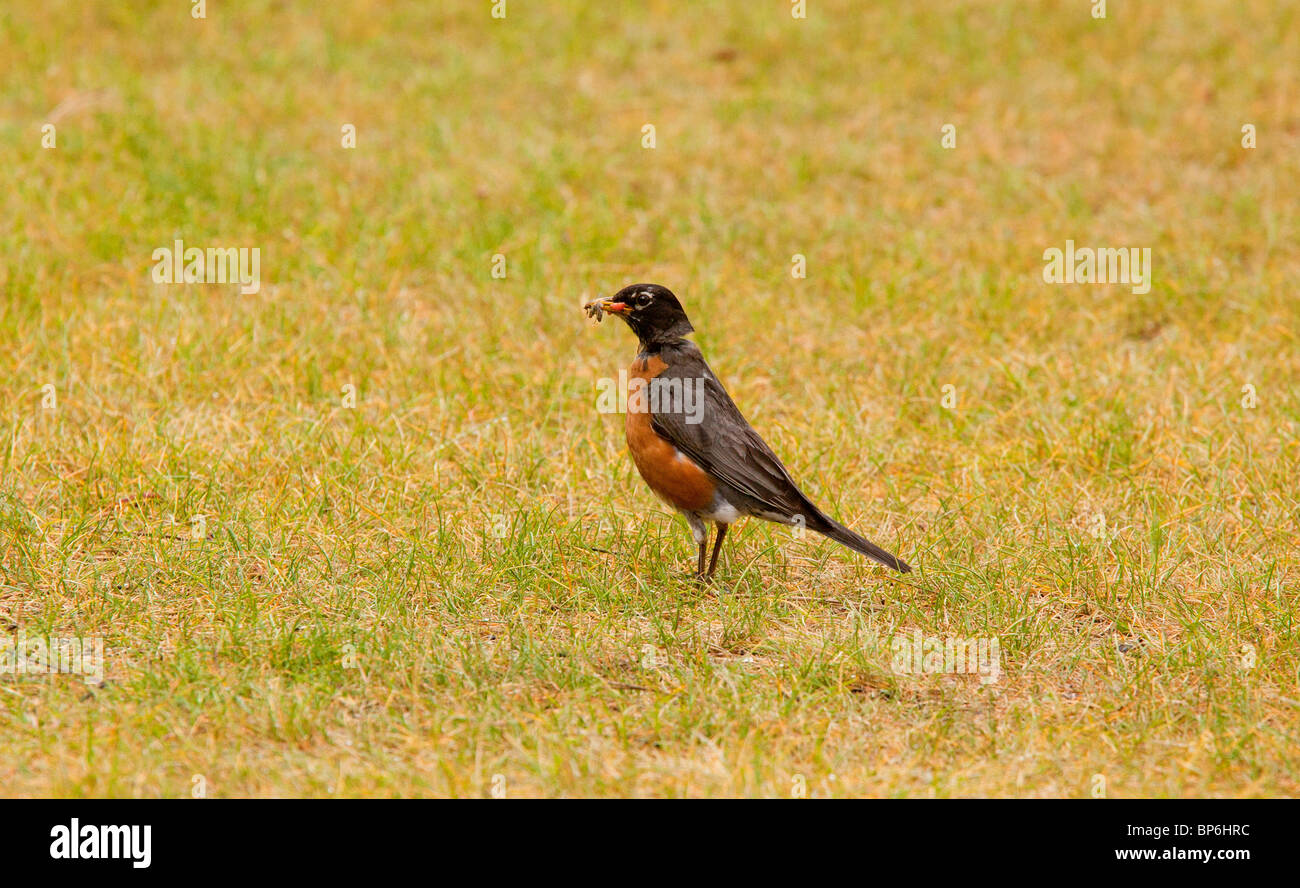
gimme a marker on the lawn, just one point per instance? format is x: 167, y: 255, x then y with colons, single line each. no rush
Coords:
x: 364, y: 532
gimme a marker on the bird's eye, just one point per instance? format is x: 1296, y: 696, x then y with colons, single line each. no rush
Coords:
x: 642, y: 300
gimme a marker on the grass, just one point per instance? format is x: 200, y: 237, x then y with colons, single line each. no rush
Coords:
x: 461, y: 583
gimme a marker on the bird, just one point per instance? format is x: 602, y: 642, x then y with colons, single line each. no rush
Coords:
x: 691, y: 444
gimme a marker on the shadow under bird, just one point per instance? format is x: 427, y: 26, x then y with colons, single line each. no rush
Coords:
x: 706, y: 461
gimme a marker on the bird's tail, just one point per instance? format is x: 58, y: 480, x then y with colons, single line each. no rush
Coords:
x: 845, y: 537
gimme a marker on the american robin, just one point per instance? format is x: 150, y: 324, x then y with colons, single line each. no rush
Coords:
x: 690, y: 442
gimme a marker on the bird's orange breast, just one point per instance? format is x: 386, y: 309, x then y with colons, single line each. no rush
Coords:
x: 672, y: 475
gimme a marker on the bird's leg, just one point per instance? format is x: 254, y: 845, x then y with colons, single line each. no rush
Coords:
x: 700, y: 533
x: 717, y: 547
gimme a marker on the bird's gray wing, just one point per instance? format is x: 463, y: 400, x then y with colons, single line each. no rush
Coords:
x: 700, y: 419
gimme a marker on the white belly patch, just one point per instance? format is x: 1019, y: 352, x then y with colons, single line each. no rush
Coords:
x: 722, y: 511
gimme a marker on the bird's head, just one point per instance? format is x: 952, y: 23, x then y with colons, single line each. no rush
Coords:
x: 652, y: 311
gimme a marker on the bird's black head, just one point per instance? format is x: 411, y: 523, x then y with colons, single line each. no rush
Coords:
x: 652, y: 311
